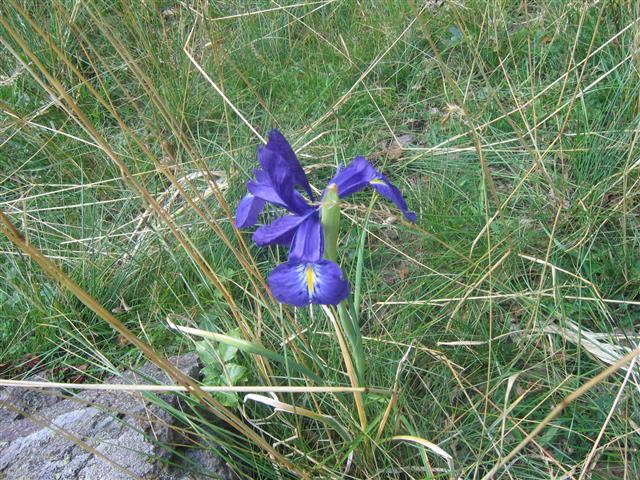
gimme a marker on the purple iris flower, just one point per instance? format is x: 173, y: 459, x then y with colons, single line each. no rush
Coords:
x: 306, y: 277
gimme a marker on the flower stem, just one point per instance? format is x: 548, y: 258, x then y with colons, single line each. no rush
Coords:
x: 330, y: 217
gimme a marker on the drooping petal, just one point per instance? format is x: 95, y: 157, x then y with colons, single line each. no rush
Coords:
x: 288, y: 284
x: 248, y: 210
x: 354, y: 177
x: 278, y: 144
x: 280, y: 188
x: 302, y: 283
x: 360, y: 174
x: 330, y: 286
x: 308, y: 242
x: 391, y: 192
x: 280, y: 231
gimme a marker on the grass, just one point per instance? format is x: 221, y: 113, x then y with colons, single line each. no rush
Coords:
x: 522, y: 168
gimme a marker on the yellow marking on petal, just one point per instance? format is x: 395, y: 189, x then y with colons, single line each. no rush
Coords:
x: 377, y: 181
x: 310, y: 280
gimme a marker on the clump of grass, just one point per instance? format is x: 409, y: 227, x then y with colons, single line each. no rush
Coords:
x: 128, y: 131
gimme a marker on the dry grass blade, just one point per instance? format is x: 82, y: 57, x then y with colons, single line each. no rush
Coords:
x: 593, y: 343
x: 394, y: 396
x: 348, y: 365
x: 117, y: 387
x: 614, y: 405
x: 347, y: 95
x: 168, y: 200
x: 286, y: 407
x: 328, y: 420
x: 216, y: 87
x: 262, y: 11
x: 428, y: 445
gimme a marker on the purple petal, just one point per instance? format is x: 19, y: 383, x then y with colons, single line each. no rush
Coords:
x: 280, y: 189
x: 264, y: 191
x: 302, y: 283
x: 308, y: 242
x: 391, y: 192
x: 280, y: 231
x: 360, y: 174
x: 330, y: 286
x: 262, y: 188
x: 354, y: 177
x: 278, y: 144
x: 288, y: 285
x: 248, y: 210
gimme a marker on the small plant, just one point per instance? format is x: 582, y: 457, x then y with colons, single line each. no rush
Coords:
x: 221, y: 367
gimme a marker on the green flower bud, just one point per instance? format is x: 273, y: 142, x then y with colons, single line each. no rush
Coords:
x: 330, y: 218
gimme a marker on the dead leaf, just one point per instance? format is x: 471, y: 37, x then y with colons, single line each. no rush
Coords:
x: 78, y: 379
x: 392, y: 149
x: 399, y: 272
x: 453, y: 111
x: 406, y: 140
x: 31, y: 361
x: 169, y: 14
x: 123, y: 308
x: 546, y: 40
x: 403, y: 272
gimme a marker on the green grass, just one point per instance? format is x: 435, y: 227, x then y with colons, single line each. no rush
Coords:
x: 522, y: 169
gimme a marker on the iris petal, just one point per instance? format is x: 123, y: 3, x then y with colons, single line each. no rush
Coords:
x: 281, y: 182
x: 360, y: 174
x: 391, y: 192
x: 308, y: 242
x: 248, y: 211
x: 262, y: 188
x: 266, y: 192
x: 330, y: 287
x: 354, y: 177
x: 278, y: 144
x: 280, y: 231
x: 302, y: 283
x: 287, y: 284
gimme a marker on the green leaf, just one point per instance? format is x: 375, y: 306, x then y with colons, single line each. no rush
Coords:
x: 226, y: 351
x: 228, y: 399
x: 211, y: 375
x: 233, y: 374
x: 207, y: 354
